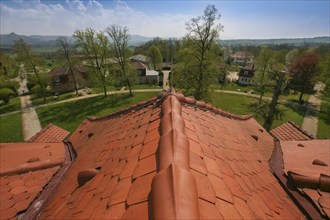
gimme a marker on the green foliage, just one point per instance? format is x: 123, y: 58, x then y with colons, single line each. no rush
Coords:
x: 119, y: 47
x: 156, y: 57
x: 5, y: 94
x: 198, y: 65
x: 323, y: 130
x: 95, y: 46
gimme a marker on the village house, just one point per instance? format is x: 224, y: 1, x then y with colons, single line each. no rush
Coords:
x: 246, y: 74
x: 62, y: 79
x: 242, y: 58
x: 146, y: 75
x: 169, y: 157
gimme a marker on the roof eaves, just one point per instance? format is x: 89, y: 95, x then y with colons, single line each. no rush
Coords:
x: 190, y: 101
x: 140, y: 105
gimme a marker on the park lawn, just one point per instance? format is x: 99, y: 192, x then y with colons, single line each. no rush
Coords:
x: 13, y: 105
x: 242, y: 105
x: 145, y: 86
x: 11, y: 128
x: 70, y: 115
x: 323, y: 129
x: 39, y: 101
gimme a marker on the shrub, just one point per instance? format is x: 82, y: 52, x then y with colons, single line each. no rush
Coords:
x: 5, y: 94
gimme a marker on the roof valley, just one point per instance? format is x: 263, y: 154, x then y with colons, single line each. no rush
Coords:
x: 174, y: 189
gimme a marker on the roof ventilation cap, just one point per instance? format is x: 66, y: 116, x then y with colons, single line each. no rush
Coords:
x: 320, y: 163
x: 90, y: 135
x: 86, y: 175
x: 255, y: 137
x: 300, y: 145
x: 33, y: 159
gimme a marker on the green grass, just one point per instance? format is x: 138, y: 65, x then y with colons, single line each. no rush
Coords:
x: 11, y: 128
x: 70, y: 115
x: 242, y: 105
x: 13, y: 105
x: 323, y: 130
x: 38, y: 101
x: 233, y: 87
x: 145, y: 86
x: 97, y: 90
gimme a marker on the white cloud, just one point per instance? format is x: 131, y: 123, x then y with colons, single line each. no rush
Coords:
x: 56, y: 19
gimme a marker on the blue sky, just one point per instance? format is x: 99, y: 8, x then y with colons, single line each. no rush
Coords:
x: 166, y: 18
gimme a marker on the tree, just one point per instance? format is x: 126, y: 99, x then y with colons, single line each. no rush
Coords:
x: 156, y: 57
x: 65, y: 49
x: 304, y: 71
x: 119, y: 46
x: 261, y: 79
x: 25, y: 55
x: 96, y: 48
x: 203, y: 32
x: 279, y: 76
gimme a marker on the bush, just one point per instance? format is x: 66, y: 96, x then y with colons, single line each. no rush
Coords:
x: 5, y: 94
x: 41, y: 92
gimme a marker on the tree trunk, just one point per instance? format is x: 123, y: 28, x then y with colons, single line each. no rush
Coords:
x: 272, y: 106
x: 300, y: 97
x: 105, y: 90
x: 260, y: 98
x: 129, y: 87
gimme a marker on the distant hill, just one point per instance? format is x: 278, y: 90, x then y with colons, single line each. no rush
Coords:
x: 289, y: 41
x: 7, y: 40
x: 50, y: 40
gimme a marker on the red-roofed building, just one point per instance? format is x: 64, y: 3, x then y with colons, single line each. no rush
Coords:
x: 289, y: 131
x: 242, y: 58
x: 171, y: 157
x: 62, y: 79
x: 50, y: 134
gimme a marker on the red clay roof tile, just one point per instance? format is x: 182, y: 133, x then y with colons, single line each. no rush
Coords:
x: 194, y: 162
x: 289, y: 131
x: 50, y: 134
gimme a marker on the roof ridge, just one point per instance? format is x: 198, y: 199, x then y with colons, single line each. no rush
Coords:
x: 27, y: 167
x: 303, y: 131
x: 208, y: 106
x: 173, y: 189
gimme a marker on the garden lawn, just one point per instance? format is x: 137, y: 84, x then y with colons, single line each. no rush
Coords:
x: 13, y: 105
x: 11, y: 128
x: 323, y: 129
x: 242, y: 105
x: 70, y: 115
x: 39, y: 101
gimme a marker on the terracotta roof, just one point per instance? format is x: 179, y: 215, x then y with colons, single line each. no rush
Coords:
x: 139, y: 65
x: 243, y: 54
x: 63, y: 70
x: 303, y: 167
x: 289, y: 131
x: 25, y: 169
x: 171, y: 157
x: 50, y: 134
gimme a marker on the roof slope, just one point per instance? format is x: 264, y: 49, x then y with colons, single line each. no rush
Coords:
x: 25, y: 169
x: 289, y: 131
x: 305, y: 167
x: 171, y: 157
x: 50, y: 134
